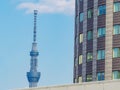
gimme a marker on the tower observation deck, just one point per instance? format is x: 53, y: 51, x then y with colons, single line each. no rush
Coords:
x: 33, y: 75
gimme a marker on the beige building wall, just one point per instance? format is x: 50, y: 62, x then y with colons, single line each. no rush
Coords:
x: 103, y: 85
x: 108, y: 43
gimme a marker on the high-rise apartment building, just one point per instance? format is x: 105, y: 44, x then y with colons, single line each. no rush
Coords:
x: 97, y: 40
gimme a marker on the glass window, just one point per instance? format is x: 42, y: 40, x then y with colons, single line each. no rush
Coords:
x: 89, y: 56
x: 75, y: 79
x: 89, y: 78
x: 116, y: 52
x: 81, y: 38
x: 77, y: 19
x: 116, y: 6
x: 77, y: 1
x: 80, y: 59
x: 89, y: 35
x: 116, y: 74
x: 101, y: 32
x: 101, y: 54
x: 80, y: 79
x: 102, y: 10
x: 116, y: 29
x: 81, y: 17
x: 100, y: 76
x: 90, y: 13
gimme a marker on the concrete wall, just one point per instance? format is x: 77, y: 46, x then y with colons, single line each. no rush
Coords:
x: 103, y: 85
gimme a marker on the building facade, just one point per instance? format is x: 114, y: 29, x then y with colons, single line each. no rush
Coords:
x: 97, y: 40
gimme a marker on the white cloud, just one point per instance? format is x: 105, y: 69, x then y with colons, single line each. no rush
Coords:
x: 49, y: 6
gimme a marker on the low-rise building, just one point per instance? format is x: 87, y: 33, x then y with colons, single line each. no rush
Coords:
x: 98, y: 85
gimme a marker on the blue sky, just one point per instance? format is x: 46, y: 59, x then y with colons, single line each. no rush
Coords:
x: 55, y: 37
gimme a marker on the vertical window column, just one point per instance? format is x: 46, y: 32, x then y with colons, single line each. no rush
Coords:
x: 84, y: 40
x: 76, y: 54
x: 95, y: 24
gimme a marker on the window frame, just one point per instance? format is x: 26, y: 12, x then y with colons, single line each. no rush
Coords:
x: 88, y: 77
x: 101, y: 32
x: 116, y: 6
x: 117, y: 76
x: 89, y: 56
x: 80, y: 37
x: 81, y: 16
x: 117, y: 53
x: 80, y: 59
x: 89, y: 35
x: 101, y: 10
x: 116, y: 29
x: 80, y: 79
x: 90, y: 13
x: 100, y: 76
x: 101, y: 54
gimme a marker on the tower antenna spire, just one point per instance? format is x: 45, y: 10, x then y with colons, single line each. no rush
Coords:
x: 33, y: 75
x: 35, y: 22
